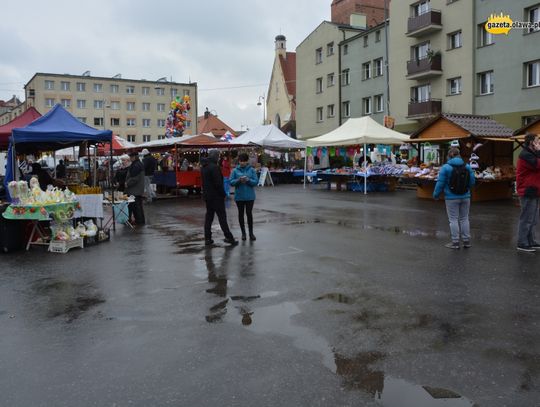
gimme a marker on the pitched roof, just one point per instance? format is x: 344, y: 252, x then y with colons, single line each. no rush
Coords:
x: 212, y: 124
x: 288, y: 66
x: 480, y: 126
x: 524, y: 129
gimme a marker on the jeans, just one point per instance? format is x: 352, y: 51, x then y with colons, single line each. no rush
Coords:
x: 216, y: 207
x: 248, y: 206
x: 528, y: 220
x: 458, y: 216
x: 148, y: 191
x: 227, y: 186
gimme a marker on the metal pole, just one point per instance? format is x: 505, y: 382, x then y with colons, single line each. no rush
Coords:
x: 386, y: 57
x: 111, y: 178
x: 365, y: 166
x: 305, y: 166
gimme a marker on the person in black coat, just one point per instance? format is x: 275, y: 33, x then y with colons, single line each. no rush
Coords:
x: 214, y: 196
x: 61, y: 170
x: 135, y: 187
x: 150, y: 166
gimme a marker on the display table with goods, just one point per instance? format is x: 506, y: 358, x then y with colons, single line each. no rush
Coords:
x: 119, y: 209
x: 291, y: 176
x: 381, y: 177
x: 494, y: 183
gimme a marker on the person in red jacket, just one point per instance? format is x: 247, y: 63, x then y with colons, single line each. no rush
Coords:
x: 528, y: 189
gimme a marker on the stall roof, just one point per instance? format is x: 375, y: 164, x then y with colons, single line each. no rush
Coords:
x: 363, y: 130
x: 56, y: 130
x: 27, y: 117
x: 119, y: 145
x: 206, y: 140
x: 268, y: 136
x: 473, y: 125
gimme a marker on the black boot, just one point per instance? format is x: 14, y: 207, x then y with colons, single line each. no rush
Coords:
x: 243, y: 229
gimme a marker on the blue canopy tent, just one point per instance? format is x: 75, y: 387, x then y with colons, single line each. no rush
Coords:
x: 55, y: 130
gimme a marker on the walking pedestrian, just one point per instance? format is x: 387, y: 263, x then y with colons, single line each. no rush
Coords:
x: 150, y: 166
x: 528, y: 189
x: 214, y: 196
x: 244, y: 179
x: 135, y: 187
x: 456, y: 180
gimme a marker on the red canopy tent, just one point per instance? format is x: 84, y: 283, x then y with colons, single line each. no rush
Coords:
x: 120, y: 146
x: 23, y: 120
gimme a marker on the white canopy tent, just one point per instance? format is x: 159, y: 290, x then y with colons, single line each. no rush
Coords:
x: 268, y: 136
x: 363, y: 130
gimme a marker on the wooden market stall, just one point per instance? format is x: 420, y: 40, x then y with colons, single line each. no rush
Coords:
x: 484, y: 143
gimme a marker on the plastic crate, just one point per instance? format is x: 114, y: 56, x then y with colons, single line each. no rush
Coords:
x: 63, y: 246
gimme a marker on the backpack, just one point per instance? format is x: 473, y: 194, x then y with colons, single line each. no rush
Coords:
x: 459, y: 180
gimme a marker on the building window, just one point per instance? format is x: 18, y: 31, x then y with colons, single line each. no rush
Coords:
x: 98, y: 104
x: 366, y: 70
x: 82, y: 119
x: 454, y: 86
x: 420, y: 51
x: 421, y: 93
x: 330, y: 111
x: 318, y: 55
x: 174, y: 92
x: 161, y: 107
x: 130, y: 122
x: 422, y: 7
x: 115, y: 105
x: 81, y: 87
x: 98, y: 87
x: 186, y: 92
x: 145, y: 90
x: 146, y: 122
x: 64, y: 86
x: 161, y: 137
x: 115, y: 88
x: 115, y: 121
x: 345, y: 78
x: 345, y: 49
x: 49, y: 85
x: 532, y: 71
x: 319, y: 114
x: 366, y: 41
x: 130, y: 90
x: 130, y: 106
x: 146, y: 138
x: 378, y: 67
x: 330, y: 79
x: 330, y: 49
x: 318, y: 85
x: 485, y: 79
x: 160, y: 91
x: 346, y: 109
x: 131, y: 138
x: 188, y: 124
x: 161, y: 122
x: 454, y: 40
x: 366, y: 106
x: 49, y: 102
x: 378, y: 36
x: 98, y: 121
x: 533, y: 16
x: 484, y: 38
x: 146, y: 107
x: 379, y: 103
x: 526, y: 120
x: 81, y: 104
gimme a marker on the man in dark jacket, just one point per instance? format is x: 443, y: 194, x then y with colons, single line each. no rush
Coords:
x: 150, y: 166
x: 135, y: 187
x: 214, y: 196
x: 528, y: 189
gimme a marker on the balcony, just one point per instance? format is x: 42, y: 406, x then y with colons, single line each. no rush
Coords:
x: 423, y: 109
x: 424, y: 24
x: 424, y: 68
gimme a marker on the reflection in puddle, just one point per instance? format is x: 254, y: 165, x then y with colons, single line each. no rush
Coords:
x: 341, y: 298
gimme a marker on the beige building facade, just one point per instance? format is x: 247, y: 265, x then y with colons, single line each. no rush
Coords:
x: 318, y: 77
x: 12, y: 113
x: 133, y: 109
x: 431, y: 57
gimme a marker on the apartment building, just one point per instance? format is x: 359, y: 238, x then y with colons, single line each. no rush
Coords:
x: 318, y: 77
x: 431, y: 56
x: 507, y: 67
x: 133, y: 109
x: 363, y: 76
x: 12, y: 112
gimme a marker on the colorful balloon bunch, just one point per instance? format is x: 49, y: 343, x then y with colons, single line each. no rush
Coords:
x: 178, y: 115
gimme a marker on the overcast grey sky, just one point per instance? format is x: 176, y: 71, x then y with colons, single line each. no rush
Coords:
x: 227, y: 47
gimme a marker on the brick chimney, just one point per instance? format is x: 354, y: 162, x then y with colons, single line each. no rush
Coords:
x: 372, y: 9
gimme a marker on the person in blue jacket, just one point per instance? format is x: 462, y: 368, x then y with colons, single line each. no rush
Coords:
x: 457, y: 204
x: 244, y: 179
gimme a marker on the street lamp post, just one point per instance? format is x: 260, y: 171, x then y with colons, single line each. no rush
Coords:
x: 263, y: 103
